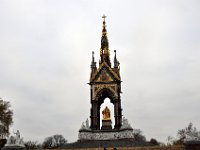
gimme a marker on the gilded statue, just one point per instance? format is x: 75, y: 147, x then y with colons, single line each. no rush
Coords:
x: 106, y: 113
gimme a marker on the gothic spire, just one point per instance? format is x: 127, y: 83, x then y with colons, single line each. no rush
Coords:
x: 93, y: 63
x: 104, y: 51
x: 116, y: 62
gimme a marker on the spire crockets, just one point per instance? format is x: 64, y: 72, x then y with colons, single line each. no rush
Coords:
x: 104, y: 51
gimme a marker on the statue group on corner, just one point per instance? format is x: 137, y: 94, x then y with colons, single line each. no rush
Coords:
x: 15, y: 140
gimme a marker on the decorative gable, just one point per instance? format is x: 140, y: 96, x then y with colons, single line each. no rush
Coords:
x: 104, y: 74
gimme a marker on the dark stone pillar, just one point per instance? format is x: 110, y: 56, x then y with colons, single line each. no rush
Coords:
x: 117, y: 112
x: 98, y: 117
x: 94, y: 116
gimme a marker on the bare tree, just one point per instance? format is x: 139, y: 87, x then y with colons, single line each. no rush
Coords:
x: 54, y: 141
x: 31, y: 144
x: 138, y: 136
x: 170, y: 140
x: 59, y: 140
x: 154, y: 141
x: 182, y: 133
x: 6, y: 119
x: 48, y: 143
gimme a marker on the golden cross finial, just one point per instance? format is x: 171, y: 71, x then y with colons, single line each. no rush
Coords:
x: 104, y: 17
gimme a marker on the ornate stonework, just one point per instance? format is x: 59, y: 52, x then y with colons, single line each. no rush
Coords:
x: 113, y: 135
x: 126, y: 132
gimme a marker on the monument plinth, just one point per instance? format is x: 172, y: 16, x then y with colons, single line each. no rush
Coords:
x: 107, y: 133
x: 106, y: 125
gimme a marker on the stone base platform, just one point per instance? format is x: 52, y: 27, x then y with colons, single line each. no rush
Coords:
x: 105, y: 134
x: 13, y: 148
x: 105, y: 143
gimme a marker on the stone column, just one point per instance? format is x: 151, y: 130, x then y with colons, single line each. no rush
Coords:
x: 98, y: 117
x: 94, y: 116
x: 118, y: 116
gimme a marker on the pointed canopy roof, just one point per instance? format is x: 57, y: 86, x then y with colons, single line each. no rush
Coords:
x: 104, y: 50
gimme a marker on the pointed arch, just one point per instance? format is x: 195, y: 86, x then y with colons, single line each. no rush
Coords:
x: 105, y: 92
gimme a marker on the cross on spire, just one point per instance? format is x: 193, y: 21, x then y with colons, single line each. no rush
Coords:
x: 104, y: 17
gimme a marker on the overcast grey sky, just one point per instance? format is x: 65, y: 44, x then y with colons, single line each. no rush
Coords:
x: 45, y: 55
